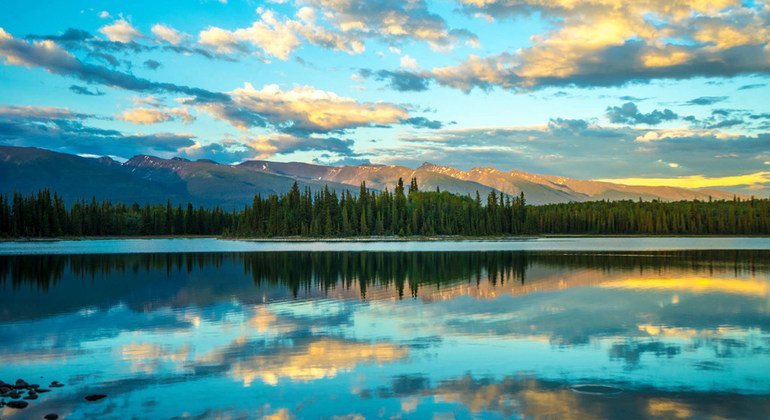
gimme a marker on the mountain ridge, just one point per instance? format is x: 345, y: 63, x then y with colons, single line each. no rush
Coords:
x: 151, y: 179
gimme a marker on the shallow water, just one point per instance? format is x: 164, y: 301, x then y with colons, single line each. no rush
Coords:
x: 380, y: 334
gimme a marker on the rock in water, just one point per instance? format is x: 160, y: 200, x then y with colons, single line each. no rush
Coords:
x: 17, y: 404
x: 52, y: 416
x: 95, y: 397
x: 56, y: 384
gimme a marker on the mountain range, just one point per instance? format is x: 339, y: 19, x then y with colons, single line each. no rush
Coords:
x: 149, y: 179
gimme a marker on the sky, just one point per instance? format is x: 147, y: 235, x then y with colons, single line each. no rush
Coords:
x: 650, y: 92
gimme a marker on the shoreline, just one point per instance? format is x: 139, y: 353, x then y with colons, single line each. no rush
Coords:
x: 369, y: 238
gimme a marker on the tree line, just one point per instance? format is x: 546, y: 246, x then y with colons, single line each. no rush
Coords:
x: 406, y: 211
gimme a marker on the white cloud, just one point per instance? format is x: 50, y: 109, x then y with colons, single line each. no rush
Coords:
x: 279, y: 36
x: 408, y: 62
x: 120, y: 31
x: 168, y: 34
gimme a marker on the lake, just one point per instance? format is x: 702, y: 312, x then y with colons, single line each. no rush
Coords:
x: 389, y: 329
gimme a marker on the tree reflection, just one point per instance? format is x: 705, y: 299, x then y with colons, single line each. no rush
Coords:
x: 407, y: 272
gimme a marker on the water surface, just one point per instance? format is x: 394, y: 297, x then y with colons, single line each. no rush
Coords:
x: 380, y: 334
x: 189, y: 245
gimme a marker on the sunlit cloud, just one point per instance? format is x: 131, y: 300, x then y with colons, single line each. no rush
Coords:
x: 155, y: 115
x: 168, y: 34
x: 613, y: 43
x: 306, y: 109
x: 697, y: 181
x: 322, y: 358
x: 749, y: 287
x: 120, y: 31
x: 278, y: 36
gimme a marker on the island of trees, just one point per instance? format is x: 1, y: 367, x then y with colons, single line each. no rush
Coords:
x: 406, y: 211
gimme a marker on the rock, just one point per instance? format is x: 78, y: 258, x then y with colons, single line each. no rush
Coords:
x: 56, y: 384
x: 34, y: 386
x: 42, y: 390
x: 17, y: 404
x: 31, y: 396
x: 52, y: 416
x: 95, y: 397
x: 21, y: 383
x: 4, y: 390
x: 14, y: 394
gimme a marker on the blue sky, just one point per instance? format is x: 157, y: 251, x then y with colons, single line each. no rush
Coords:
x: 652, y: 92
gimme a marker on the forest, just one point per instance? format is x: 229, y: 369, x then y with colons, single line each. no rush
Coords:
x: 406, y: 211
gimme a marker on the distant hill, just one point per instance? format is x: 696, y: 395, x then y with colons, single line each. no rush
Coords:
x: 148, y: 179
x: 142, y: 179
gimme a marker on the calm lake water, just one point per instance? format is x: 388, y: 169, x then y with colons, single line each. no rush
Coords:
x: 495, y: 333
x: 183, y: 245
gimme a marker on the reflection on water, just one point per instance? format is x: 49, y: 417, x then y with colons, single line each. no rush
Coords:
x: 381, y: 334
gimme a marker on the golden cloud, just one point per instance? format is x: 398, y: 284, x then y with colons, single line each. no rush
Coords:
x: 146, y: 116
x: 323, y: 358
x: 696, y: 181
x: 698, y: 285
x: 613, y: 41
x: 314, y: 110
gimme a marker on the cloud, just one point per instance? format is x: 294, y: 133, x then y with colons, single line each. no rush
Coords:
x: 146, y: 116
x: 34, y: 113
x: 402, y: 81
x: 340, y: 26
x: 408, y: 62
x: 698, y: 181
x: 752, y: 86
x: 422, y: 122
x: 615, y: 43
x: 628, y: 113
x: 82, y: 90
x: 152, y: 64
x: 706, y: 100
x: 315, y: 359
x: 78, y: 39
x: 278, y: 36
x: 120, y: 31
x: 168, y: 34
x: 70, y: 35
x: 50, y: 56
x: 64, y: 130
x: 273, y: 144
x: 302, y: 109
x: 393, y: 22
